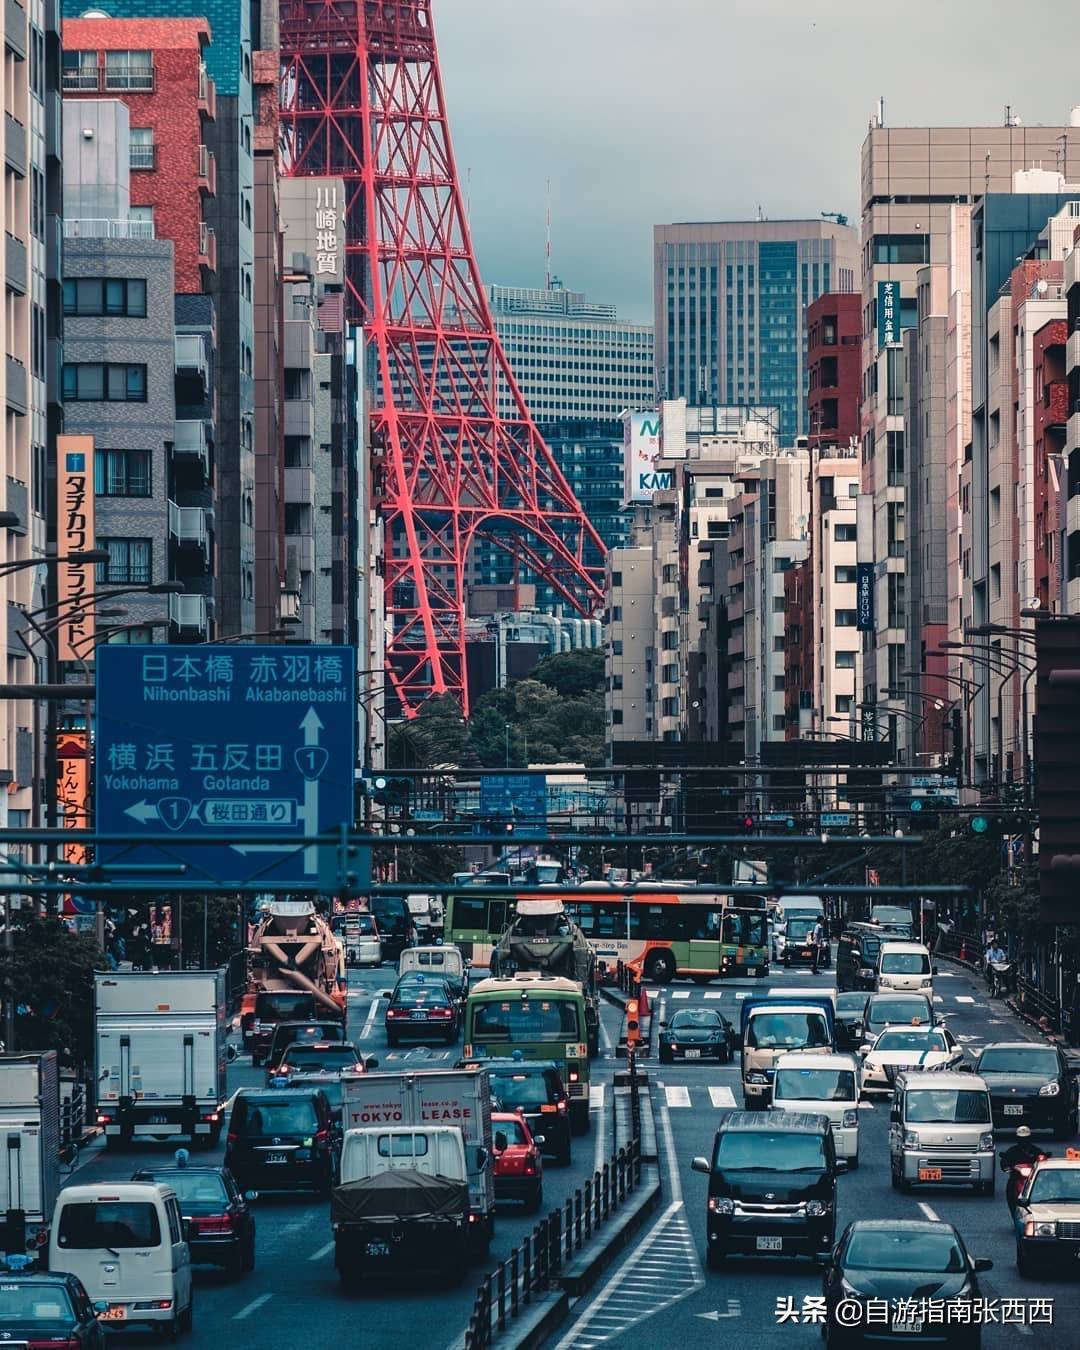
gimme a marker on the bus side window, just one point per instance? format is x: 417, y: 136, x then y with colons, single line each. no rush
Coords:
x: 497, y: 917
x: 732, y: 928
x: 611, y: 920
x: 707, y: 927
x: 470, y: 914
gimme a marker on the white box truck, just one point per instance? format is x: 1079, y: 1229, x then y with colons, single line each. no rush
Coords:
x: 160, y: 1054
x: 455, y: 1097
x: 30, y: 1139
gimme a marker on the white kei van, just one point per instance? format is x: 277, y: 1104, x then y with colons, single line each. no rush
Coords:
x: 125, y: 1241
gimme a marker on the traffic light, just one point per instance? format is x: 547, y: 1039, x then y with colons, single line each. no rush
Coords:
x: 747, y: 824
x: 390, y: 791
x: 989, y: 825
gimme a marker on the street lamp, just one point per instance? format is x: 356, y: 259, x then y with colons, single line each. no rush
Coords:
x: 89, y: 555
x: 997, y: 662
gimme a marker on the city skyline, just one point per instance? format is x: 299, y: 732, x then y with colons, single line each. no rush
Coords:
x: 801, y: 157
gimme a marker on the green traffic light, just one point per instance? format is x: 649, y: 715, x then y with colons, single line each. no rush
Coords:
x: 979, y: 824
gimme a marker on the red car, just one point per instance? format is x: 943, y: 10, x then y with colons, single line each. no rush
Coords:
x: 519, y: 1165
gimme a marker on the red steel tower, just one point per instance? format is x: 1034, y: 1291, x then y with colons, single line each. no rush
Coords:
x: 362, y: 99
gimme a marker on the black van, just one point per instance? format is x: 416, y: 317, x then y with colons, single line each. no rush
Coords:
x: 857, y: 956
x: 772, y: 1186
x: 283, y: 1139
x: 394, y: 921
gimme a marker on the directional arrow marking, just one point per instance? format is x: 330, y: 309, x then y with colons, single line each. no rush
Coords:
x: 309, y: 812
x: 142, y: 812
x: 734, y: 1309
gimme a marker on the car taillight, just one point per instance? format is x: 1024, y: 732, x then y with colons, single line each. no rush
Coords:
x: 440, y: 1012
x: 395, y: 1012
x: 212, y: 1223
x: 230, y: 1138
x: 529, y: 1170
x: 562, y: 1106
x: 322, y: 1136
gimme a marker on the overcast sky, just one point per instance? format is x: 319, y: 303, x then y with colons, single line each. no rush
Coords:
x: 644, y: 111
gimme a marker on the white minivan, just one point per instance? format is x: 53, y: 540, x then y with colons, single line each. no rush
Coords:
x: 904, y: 968
x: 125, y: 1241
x: 823, y: 1085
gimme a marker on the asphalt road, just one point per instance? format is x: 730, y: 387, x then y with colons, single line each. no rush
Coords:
x: 662, y: 1293
x: 293, y: 1298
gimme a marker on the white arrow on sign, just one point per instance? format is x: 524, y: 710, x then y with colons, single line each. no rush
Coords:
x: 311, y: 725
x: 142, y: 812
x: 734, y: 1309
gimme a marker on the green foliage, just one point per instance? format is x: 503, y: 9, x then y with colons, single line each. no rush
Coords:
x: 554, y: 715
x: 52, y: 975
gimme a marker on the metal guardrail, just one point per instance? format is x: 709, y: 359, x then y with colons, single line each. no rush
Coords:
x: 532, y: 1268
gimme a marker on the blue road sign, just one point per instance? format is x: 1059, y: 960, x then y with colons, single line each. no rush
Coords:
x: 254, y: 741
x: 835, y: 818
x: 514, y: 796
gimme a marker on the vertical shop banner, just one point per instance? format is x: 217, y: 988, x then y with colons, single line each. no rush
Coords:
x: 74, y: 534
x: 888, y: 313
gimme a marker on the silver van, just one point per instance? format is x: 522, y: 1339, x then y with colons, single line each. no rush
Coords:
x: 941, y: 1131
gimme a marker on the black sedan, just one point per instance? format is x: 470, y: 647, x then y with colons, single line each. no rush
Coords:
x: 696, y: 1033
x: 850, y: 1017
x: 52, y: 1309
x: 1030, y: 1084
x: 422, y: 1009
x: 908, y: 1264
x: 221, y: 1227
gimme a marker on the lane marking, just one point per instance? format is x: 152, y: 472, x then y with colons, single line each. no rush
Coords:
x: 938, y: 998
x: 722, y: 1097
x: 963, y: 998
x: 371, y: 1017
x: 253, y: 1306
x: 323, y: 1251
x: 714, y: 993
x: 605, y: 1039
x: 677, y: 1095
x: 680, y: 993
x: 928, y: 1212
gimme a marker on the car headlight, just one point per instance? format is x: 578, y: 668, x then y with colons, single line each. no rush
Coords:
x: 986, y: 1141
x: 928, y: 982
x: 866, y: 972
x: 756, y: 1077
x: 1049, y: 1089
x: 911, y: 1139
x: 851, y: 1118
x: 721, y: 1204
x: 1040, y: 1228
x: 816, y: 1208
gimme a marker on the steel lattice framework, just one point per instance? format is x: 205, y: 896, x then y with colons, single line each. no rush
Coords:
x: 362, y: 99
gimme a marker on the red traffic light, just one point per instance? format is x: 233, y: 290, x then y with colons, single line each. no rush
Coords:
x: 748, y: 822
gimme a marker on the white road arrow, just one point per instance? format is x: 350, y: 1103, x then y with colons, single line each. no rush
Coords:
x: 142, y: 812
x: 734, y: 1309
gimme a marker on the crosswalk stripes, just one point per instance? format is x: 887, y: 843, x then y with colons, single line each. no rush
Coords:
x: 964, y: 998
x: 677, y: 1095
x: 722, y: 1097
x: 680, y: 993
x: 596, y: 1096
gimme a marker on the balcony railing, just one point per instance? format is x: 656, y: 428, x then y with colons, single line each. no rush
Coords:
x: 207, y: 177
x: 187, y: 525
x: 191, y: 355
x: 190, y: 441
x: 136, y: 76
x: 207, y: 94
x: 207, y: 246
x: 86, y: 78
x: 188, y: 613
x: 92, y: 228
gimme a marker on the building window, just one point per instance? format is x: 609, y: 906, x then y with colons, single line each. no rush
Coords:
x: 93, y: 382
x: 843, y: 575
x: 616, y: 578
x: 616, y: 613
x: 616, y: 647
x: 670, y: 573
x: 845, y: 618
x: 129, y: 70
x: 669, y: 707
x: 669, y: 642
x: 119, y: 297
x: 844, y: 534
x: 616, y: 717
x: 122, y: 473
x: 131, y: 637
x: 843, y: 703
x: 901, y: 248
x: 80, y: 70
x: 141, y: 152
x: 844, y: 660
x: 129, y: 561
x: 669, y: 674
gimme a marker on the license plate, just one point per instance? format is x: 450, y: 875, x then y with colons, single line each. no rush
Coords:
x: 692, y: 1054
x: 913, y: 1325
x: 806, y: 952
x: 115, y: 1312
x: 157, y: 1120
x: 770, y: 1244
x: 418, y: 1014
x: 377, y: 1249
x: 1014, y: 1110
x: 276, y: 1158
x: 929, y: 1173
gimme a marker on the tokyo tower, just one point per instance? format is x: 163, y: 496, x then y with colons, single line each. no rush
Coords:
x: 362, y: 99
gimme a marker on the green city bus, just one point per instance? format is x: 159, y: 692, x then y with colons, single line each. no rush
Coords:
x: 543, y: 1016
x: 659, y: 932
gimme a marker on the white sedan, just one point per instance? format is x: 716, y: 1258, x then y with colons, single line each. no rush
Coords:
x: 900, y: 1048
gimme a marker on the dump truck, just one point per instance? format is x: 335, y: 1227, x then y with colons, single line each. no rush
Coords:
x: 460, y: 1098
x: 543, y: 937
x: 30, y: 1175
x: 402, y: 1202
x: 294, y: 956
x: 159, y: 1051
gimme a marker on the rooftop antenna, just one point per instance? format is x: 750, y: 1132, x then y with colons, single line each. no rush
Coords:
x: 547, y: 255
x: 881, y: 111
x: 760, y: 212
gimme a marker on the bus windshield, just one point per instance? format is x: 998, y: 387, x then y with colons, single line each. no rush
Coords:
x: 534, y: 1019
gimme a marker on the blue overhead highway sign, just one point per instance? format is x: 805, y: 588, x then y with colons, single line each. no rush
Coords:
x: 240, y: 741
x: 514, y: 796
